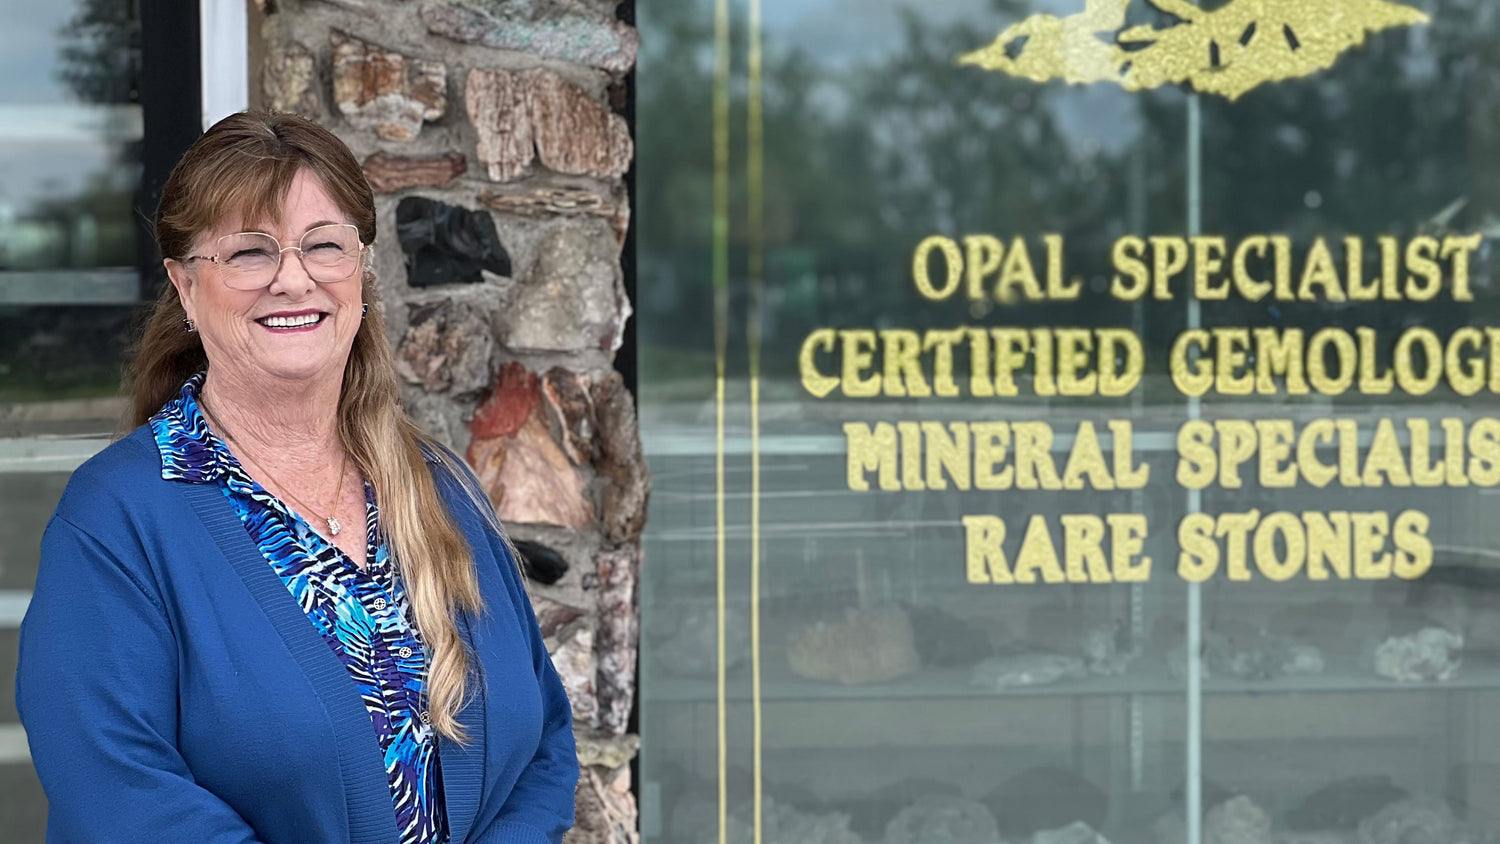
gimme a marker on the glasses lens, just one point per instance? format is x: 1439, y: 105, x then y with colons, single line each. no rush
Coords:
x: 331, y: 253
x: 248, y: 259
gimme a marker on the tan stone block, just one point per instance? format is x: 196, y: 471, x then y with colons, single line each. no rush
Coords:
x: 384, y: 91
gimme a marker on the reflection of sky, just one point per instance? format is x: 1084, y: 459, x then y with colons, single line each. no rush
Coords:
x: 28, y: 51
x: 41, y: 168
x: 844, y: 33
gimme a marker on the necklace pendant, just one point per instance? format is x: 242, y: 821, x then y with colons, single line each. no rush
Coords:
x: 333, y: 525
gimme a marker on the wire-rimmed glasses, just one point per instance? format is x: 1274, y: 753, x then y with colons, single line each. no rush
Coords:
x: 250, y: 260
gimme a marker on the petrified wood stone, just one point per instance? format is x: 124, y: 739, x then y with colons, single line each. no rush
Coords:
x: 552, y: 616
x: 446, y: 348
x: 525, y: 472
x: 389, y: 173
x: 605, y: 809
x: 289, y: 79
x: 620, y: 463
x: 593, y: 40
x: 616, y: 574
x: 608, y: 752
x: 869, y: 645
x: 573, y: 657
x: 546, y: 201
x: 570, y: 413
x: 573, y: 299
x: 536, y: 115
x: 384, y: 91
x: 446, y: 244
x: 1237, y: 821
x: 941, y: 819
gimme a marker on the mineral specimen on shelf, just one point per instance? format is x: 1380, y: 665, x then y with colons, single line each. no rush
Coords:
x: 389, y: 173
x: 540, y: 563
x: 1237, y: 821
x: 1417, y: 820
x: 1013, y: 672
x: 446, y: 347
x: 1107, y: 651
x: 691, y: 650
x: 384, y: 91
x: 944, y: 640
x: 445, y: 244
x: 1074, y: 833
x: 1429, y: 654
x: 1256, y: 657
x: 1343, y: 804
x: 871, y: 810
x: 783, y: 824
x: 1046, y: 797
x: 869, y: 645
x: 940, y: 819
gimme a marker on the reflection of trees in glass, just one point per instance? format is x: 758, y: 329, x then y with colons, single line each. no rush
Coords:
x: 866, y: 157
x: 99, y: 54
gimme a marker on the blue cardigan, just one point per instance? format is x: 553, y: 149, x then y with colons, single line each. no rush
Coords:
x: 173, y: 691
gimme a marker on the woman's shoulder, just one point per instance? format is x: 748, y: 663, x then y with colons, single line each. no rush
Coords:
x: 123, y: 477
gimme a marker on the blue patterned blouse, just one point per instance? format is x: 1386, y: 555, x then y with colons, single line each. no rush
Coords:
x: 362, y: 614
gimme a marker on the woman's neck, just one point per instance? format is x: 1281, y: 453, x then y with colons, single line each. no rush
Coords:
x: 285, y: 424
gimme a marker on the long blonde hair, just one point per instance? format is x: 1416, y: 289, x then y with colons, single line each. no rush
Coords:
x: 241, y: 169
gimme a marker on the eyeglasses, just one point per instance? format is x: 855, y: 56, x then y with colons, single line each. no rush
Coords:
x: 250, y: 260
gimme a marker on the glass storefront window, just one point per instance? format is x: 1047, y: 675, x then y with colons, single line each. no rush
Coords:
x: 953, y: 315
x: 70, y: 170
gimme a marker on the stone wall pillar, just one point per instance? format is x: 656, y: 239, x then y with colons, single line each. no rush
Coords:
x: 489, y: 131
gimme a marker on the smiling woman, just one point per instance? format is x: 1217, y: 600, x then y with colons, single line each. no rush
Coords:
x: 189, y: 558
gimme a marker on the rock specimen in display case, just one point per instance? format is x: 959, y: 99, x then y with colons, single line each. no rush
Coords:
x: 1256, y: 657
x: 1013, y: 672
x: 870, y: 811
x: 1074, y: 833
x: 1237, y: 821
x: 870, y: 645
x: 1419, y: 820
x: 1046, y: 798
x: 1345, y: 803
x: 692, y: 649
x: 939, y: 819
x: 783, y: 824
x: 1107, y: 651
x: 944, y: 640
x: 1429, y: 654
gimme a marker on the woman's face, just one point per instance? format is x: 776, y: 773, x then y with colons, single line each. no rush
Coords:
x: 293, y: 329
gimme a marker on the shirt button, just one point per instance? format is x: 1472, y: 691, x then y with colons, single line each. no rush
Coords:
x: 404, y: 652
x: 425, y: 718
x: 379, y: 604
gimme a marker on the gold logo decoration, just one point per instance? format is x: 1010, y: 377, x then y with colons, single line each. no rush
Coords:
x: 1227, y: 51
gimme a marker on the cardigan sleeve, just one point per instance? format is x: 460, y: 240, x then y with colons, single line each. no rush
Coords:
x: 96, y: 688
x: 540, y: 806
